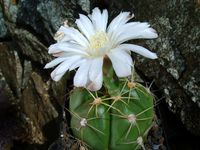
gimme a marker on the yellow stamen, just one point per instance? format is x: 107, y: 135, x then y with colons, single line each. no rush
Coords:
x: 98, y: 40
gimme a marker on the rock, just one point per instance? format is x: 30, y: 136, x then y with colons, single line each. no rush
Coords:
x: 24, y: 99
x: 60, y: 91
x: 27, y: 70
x: 33, y: 24
x: 10, y: 79
x: 176, y: 71
x: 10, y: 128
x: 11, y: 66
x: 3, y: 29
x: 6, y: 96
x: 37, y: 108
x: 85, y: 5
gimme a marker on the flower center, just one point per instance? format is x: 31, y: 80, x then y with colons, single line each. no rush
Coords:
x: 98, y: 40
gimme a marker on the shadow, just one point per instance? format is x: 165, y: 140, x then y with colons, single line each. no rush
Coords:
x: 176, y: 135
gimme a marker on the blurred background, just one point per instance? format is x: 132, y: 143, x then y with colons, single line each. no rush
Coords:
x: 31, y: 104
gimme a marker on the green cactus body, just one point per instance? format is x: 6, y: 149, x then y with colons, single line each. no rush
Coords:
x: 119, y: 118
x: 97, y: 125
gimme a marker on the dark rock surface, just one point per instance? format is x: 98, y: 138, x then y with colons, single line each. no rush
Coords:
x: 3, y: 29
x: 176, y: 72
x: 28, y: 98
x: 31, y: 26
x: 10, y: 128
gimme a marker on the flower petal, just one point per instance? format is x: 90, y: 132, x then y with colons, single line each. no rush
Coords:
x: 63, y: 67
x: 66, y: 47
x: 75, y: 35
x: 54, y: 62
x: 85, y: 25
x: 66, y: 64
x: 99, y: 20
x: 121, y: 68
x: 81, y: 76
x: 58, y: 77
x: 118, y: 21
x: 135, y: 31
x: 123, y: 55
x: 73, y: 47
x: 96, y: 84
x: 104, y: 20
x: 77, y: 64
x: 149, y: 33
x: 139, y: 49
x: 96, y: 68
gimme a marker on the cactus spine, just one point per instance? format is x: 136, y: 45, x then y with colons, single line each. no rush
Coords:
x: 115, y: 118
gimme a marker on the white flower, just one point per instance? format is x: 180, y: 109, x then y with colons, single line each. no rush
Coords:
x: 87, y: 46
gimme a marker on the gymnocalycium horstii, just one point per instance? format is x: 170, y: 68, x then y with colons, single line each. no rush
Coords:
x: 109, y: 109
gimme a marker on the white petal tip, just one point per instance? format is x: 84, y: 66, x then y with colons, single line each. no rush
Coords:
x: 132, y: 15
x: 53, y: 75
x: 96, y: 9
x: 77, y: 83
x: 56, y: 77
x: 154, y: 56
x: 77, y: 86
x: 155, y: 34
x: 50, y: 49
x: 123, y: 75
x: 81, y: 15
x: 46, y: 66
x: 77, y: 21
x: 93, y: 87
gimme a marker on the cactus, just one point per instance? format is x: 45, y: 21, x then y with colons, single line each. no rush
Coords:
x: 115, y: 118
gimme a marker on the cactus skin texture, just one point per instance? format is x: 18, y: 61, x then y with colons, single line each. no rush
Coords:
x: 115, y: 118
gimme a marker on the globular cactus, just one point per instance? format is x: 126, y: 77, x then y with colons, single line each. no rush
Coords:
x: 116, y: 118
